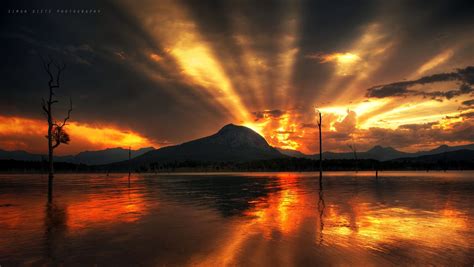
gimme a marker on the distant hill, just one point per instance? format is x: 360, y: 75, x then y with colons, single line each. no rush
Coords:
x: 379, y: 153
x: 97, y: 157
x: 458, y: 155
x: 292, y: 153
x: 108, y: 155
x: 231, y: 143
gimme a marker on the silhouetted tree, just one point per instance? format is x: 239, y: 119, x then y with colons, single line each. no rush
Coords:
x: 320, y: 121
x: 353, y: 149
x: 56, y: 133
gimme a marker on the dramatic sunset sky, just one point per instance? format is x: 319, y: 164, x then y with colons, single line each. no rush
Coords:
x: 154, y: 73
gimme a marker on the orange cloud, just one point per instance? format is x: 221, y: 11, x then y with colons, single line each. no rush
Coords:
x: 28, y: 134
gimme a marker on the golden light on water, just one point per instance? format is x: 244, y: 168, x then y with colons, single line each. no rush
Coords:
x: 98, y: 210
x: 351, y: 223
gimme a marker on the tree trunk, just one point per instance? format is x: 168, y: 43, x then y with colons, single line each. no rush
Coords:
x: 320, y: 151
x: 50, y: 153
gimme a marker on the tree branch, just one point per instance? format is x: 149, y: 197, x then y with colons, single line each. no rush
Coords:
x: 43, y: 105
x: 47, y: 68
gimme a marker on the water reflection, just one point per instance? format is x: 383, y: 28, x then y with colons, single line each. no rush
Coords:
x: 55, y: 230
x: 321, y: 208
x: 353, y: 222
x: 245, y: 220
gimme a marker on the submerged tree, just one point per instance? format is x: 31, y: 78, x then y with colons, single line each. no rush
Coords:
x: 320, y: 121
x: 353, y: 149
x: 56, y: 133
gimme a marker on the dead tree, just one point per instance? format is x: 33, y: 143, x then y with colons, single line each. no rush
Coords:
x: 129, y: 163
x: 353, y: 149
x: 320, y: 121
x: 56, y: 133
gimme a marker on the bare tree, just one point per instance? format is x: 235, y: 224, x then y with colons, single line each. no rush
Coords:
x: 353, y: 149
x: 56, y: 133
x: 320, y: 121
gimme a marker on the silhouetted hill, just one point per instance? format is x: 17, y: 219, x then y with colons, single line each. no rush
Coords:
x: 292, y: 153
x: 378, y: 153
x: 97, y: 157
x: 19, y: 155
x: 231, y: 143
x: 445, y: 148
x: 458, y: 155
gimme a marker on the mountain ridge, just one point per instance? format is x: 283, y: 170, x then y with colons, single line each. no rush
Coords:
x: 93, y: 157
x: 381, y: 153
x: 230, y: 143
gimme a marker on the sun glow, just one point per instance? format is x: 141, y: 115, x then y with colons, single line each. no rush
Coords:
x: 83, y: 136
x: 194, y: 57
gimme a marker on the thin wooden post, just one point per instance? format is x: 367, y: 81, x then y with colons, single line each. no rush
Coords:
x: 129, y: 163
x: 320, y: 150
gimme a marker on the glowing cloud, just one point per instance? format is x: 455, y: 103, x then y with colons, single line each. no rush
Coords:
x: 345, y: 62
x: 435, y: 61
x: 28, y: 134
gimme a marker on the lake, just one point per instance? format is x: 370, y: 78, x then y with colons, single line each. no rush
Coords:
x: 238, y: 219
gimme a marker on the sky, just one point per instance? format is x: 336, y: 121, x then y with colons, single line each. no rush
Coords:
x: 162, y: 72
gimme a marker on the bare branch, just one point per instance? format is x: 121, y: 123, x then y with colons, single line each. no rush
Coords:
x: 64, y: 122
x: 47, y: 68
x: 60, y: 68
x: 43, y: 105
x: 319, y: 116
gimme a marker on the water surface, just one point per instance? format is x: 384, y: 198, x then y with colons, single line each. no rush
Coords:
x: 244, y: 219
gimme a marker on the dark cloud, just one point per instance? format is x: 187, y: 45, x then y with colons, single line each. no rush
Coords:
x: 469, y: 115
x: 420, y: 135
x: 112, y: 79
x: 415, y: 127
x: 401, y: 89
x: 275, y: 113
x: 468, y: 103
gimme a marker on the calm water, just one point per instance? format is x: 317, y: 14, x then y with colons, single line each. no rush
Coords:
x: 251, y: 219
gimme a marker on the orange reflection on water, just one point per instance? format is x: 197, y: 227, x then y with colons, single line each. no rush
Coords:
x: 277, y: 214
x: 347, y: 224
x: 373, y: 228
x: 98, y: 210
x: 121, y: 206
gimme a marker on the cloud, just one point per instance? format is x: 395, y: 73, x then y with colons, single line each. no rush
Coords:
x: 28, y: 134
x: 274, y: 114
x: 402, y: 89
x: 309, y: 125
x: 348, y: 124
x: 153, y: 64
x: 468, y: 103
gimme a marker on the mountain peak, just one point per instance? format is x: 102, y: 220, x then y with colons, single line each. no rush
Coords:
x: 231, y: 143
x: 236, y: 135
x: 379, y: 148
x: 233, y: 127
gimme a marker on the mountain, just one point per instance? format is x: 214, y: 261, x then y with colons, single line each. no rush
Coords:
x: 97, y: 157
x: 108, y: 155
x: 231, y: 143
x: 388, y: 153
x: 19, y: 155
x: 457, y: 155
x: 383, y: 153
x: 292, y: 153
x: 377, y: 152
x: 445, y: 148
